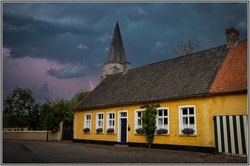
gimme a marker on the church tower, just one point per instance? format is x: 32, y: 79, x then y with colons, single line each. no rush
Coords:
x: 116, y: 61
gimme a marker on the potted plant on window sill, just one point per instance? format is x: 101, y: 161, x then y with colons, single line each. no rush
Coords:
x: 161, y: 131
x: 99, y: 130
x: 188, y: 131
x: 86, y: 130
x: 110, y: 131
x: 139, y: 131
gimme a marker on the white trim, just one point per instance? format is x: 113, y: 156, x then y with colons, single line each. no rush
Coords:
x: 163, y: 108
x: 84, y: 120
x: 96, y: 124
x: 136, y: 118
x: 107, y: 120
x: 180, y: 118
x: 118, y: 128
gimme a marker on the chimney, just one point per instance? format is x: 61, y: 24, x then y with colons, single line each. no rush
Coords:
x: 232, y: 37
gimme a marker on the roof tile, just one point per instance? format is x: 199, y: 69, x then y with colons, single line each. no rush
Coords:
x: 233, y: 73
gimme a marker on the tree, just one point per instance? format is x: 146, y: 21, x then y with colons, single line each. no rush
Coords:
x: 20, y: 108
x: 185, y: 49
x: 149, y: 122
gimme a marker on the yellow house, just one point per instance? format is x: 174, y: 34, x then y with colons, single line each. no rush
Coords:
x: 203, y: 91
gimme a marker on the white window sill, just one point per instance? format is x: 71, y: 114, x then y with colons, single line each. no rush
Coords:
x: 188, y: 135
x: 110, y: 133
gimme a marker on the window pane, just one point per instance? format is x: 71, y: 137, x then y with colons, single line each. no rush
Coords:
x: 160, y: 112
x: 191, y: 119
x: 160, y: 121
x: 191, y: 111
x: 184, y: 111
x: 165, y: 112
x: 139, y: 114
x: 185, y: 120
x: 165, y: 120
x: 123, y: 114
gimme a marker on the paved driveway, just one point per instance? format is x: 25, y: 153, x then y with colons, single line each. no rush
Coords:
x: 21, y: 151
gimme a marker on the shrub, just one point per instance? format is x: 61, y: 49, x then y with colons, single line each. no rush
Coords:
x: 139, y: 131
x: 162, y: 131
x: 99, y: 130
x: 86, y: 130
x: 110, y: 130
x: 188, y: 131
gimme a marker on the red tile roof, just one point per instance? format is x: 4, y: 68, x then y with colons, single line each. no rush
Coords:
x: 232, y: 76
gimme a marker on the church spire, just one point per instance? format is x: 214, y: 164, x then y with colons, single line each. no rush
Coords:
x: 116, y: 50
x: 116, y: 61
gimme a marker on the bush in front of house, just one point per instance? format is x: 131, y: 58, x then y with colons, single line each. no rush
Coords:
x: 139, y: 131
x: 110, y: 130
x: 162, y: 131
x: 188, y: 131
x: 99, y: 130
x: 86, y: 130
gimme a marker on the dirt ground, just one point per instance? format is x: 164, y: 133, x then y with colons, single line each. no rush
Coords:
x: 23, y: 151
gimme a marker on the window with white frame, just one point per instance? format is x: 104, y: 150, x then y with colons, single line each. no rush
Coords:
x: 187, y: 118
x: 99, y: 120
x: 111, y: 120
x: 162, y: 118
x: 138, y: 121
x: 87, y: 121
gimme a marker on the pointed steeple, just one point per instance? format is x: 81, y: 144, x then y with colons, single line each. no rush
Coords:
x: 116, y: 61
x: 116, y: 50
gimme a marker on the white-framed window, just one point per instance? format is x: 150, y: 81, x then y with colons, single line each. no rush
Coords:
x: 99, y: 120
x: 110, y: 120
x: 87, y: 121
x: 187, y: 118
x: 138, y: 121
x: 162, y: 120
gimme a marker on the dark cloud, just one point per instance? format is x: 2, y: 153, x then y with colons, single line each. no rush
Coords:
x: 75, y: 71
x: 27, y: 36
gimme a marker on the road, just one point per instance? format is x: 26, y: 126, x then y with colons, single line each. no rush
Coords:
x: 24, y: 151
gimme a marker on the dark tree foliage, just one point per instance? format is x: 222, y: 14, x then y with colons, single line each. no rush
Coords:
x: 21, y: 110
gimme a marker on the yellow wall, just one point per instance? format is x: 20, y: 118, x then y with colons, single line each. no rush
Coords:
x: 206, y: 108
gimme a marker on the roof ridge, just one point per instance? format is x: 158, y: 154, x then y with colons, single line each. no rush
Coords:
x: 179, y: 57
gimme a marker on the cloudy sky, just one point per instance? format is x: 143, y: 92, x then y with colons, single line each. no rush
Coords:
x: 56, y: 49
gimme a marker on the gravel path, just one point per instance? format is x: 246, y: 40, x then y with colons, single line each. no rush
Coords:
x: 22, y: 151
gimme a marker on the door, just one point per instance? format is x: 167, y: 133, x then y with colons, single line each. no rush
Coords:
x: 123, y: 130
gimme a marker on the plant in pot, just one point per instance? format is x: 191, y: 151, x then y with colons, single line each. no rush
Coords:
x: 86, y: 130
x: 99, y: 130
x: 188, y: 131
x: 110, y: 130
x: 139, y: 131
x: 161, y: 131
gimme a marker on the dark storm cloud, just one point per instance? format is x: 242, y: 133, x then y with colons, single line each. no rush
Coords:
x: 75, y: 71
x: 27, y: 36
x: 79, y: 33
